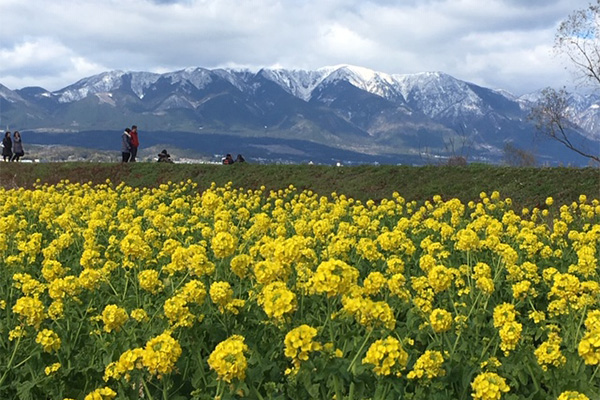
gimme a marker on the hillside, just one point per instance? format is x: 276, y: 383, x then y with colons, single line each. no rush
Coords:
x: 527, y: 187
x: 346, y: 113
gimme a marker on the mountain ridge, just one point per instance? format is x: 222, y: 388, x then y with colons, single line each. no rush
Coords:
x: 346, y: 107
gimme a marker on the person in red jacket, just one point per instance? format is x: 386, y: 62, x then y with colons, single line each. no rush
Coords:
x: 135, y: 143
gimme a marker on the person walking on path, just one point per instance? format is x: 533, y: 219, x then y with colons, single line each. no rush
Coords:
x: 7, y: 147
x: 17, y: 147
x: 126, y: 145
x: 135, y: 143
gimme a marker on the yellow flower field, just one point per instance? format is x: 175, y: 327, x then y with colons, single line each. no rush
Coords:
x: 113, y: 292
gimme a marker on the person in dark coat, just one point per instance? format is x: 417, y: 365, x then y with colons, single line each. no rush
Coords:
x: 228, y: 160
x: 126, y: 145
x: 17, y: 147
x: 240, y: 158
x: 163, y: 156
x: 7, y: 147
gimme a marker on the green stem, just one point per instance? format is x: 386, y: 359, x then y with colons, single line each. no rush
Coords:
x: 174, y: 289
x: 23, y: 362
x: 165, y: 389
x: 474, y: 304
x: 84, y: 318
x: 147, y: 390
x: 380, y: 391
x: 362, y: 346
x: 125, y: 290
x: 594, y: 373
x: 337, y: 388
x: 352, y: 388
x: 218, y: 394
x: 485, y: 349
x: 112, y: 287
x: 583, y: 313
x: 12, y: 357
x: 256, y: 393
x: 535, y: 382
x: 455, y: 344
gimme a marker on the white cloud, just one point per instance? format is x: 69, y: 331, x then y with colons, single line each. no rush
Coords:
x: 501, y: 43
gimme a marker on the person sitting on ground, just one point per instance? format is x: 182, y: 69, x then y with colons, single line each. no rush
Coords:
x: 163, y: 156
x: 240, y: 158
x: 228, y: 160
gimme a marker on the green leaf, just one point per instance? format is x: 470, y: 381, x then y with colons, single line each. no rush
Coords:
x: 24, y: 390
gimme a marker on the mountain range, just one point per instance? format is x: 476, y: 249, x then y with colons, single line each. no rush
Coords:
x: 340, y: 113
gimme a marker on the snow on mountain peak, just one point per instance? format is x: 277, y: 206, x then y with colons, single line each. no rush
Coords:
x: 301, y: 83
x: 359, y: 73
x: 104, y: 82
x: 199, y: 77
x: 298, y: 82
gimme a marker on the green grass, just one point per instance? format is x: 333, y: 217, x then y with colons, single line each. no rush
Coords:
x: 526, y: 186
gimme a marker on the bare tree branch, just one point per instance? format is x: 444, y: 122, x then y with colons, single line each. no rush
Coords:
x: 552, y: 118
x: 578, y: 37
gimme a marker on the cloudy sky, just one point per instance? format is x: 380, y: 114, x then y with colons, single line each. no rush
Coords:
x: 503, y: 44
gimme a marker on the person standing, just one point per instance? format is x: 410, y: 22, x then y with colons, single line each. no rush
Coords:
x: 126, y: 145
x: 135, y: 142
x: 17, y: 147
x: 7, y: 147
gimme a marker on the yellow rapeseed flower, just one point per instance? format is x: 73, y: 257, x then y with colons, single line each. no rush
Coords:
x: 428, y: 366
x: 387, y: 356
x: 440, y: 320
x: 49, y: 370
x: 114, y: 317
x: 589, y: 347
x: 228, y: 359
x: 49, y: 340
x: 489, y: 386
x: 31, y: 309
x: 105, y: 393
x: 572, y: 395
x: 160, y: 354
x: 149, y: 281
x: 299, y: 344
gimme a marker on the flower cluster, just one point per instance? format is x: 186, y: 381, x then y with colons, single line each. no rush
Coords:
x: 440, y: 320
x: 104, y: 393
x: 277, y: 301
x: 386, y: 356
x: 489, y: 386
x: 428, y: 366
x: 247, y: 283
x: 572, y: 395
x: 160, y: 354
x: 49, y: 340
x: 229, y: 359
x: 299, y: 344
x: 548, y: 353
x: 114, y: 317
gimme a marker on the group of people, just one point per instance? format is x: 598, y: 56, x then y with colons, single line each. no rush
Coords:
x: 129, y: 144
x: 228, y: 159
x: 12, y: 149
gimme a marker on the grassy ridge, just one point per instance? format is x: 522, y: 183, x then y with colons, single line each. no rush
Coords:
x: 526, y: 186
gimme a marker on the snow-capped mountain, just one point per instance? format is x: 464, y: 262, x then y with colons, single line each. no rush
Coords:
x: 585, y: 112
x: 344, y: 106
